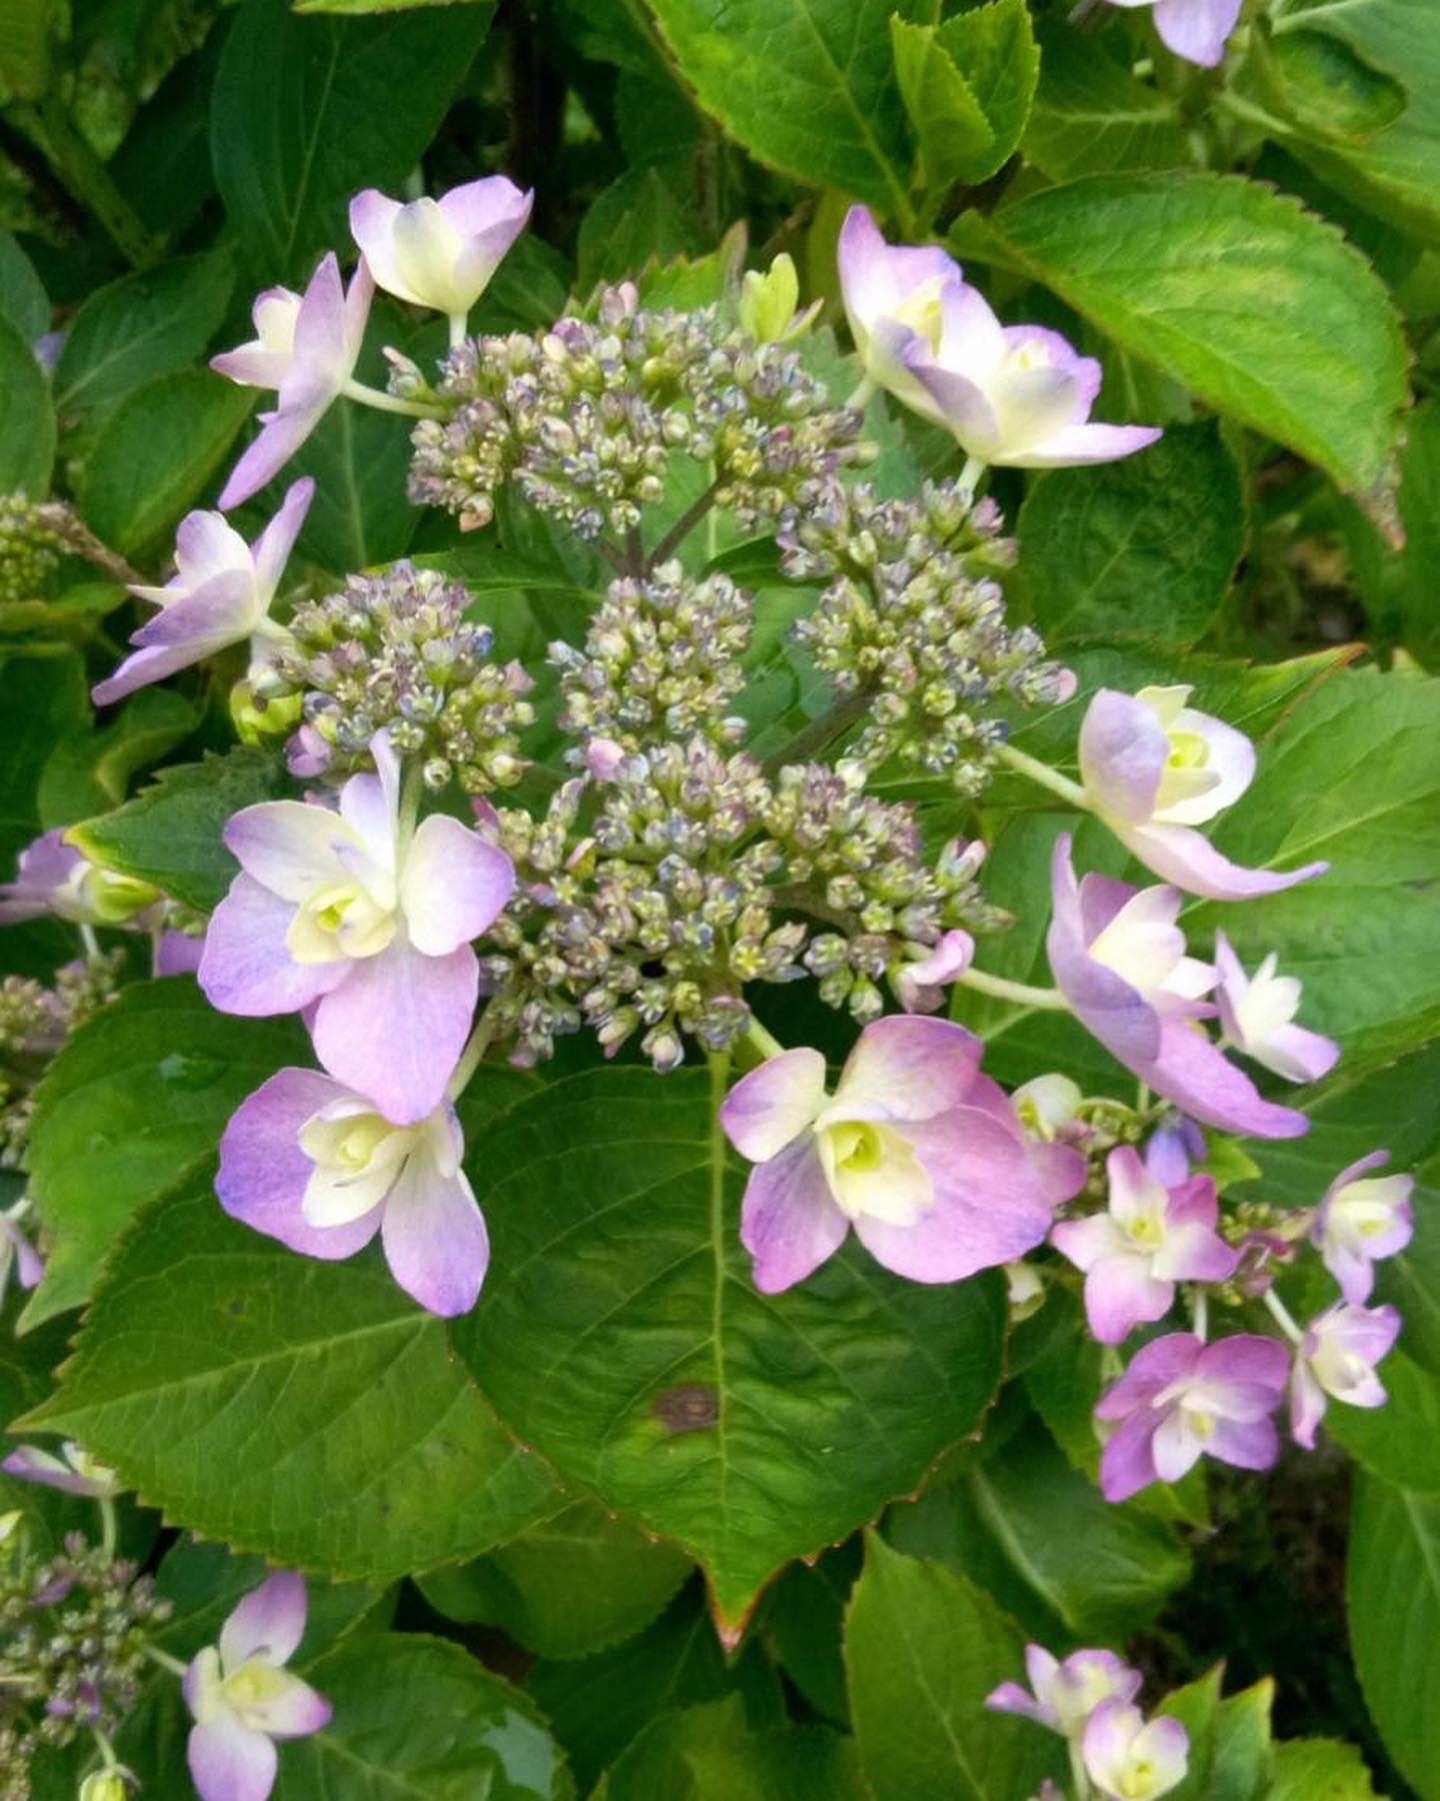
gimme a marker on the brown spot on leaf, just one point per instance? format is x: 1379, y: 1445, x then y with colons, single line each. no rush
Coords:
x: 689, y: 1407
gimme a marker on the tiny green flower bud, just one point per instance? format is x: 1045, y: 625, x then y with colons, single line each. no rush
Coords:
x: 104, y: 1785
x: 258, y: 721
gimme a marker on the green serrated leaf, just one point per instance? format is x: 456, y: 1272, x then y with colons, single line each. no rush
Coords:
x: 707, y: 1751
x: 1092, y: 116
x: 368, y: 1453
x: 27, y: 419
x: 994, y: 48
x: 156, y: 452
x: 807, y: 86
x: 1259, y: 307
x: 1244, y: 1756
x: 1355, y: 90
x: 23, y: 301
x: 1322, y: 1769
x: 621, y: 1335
x: 1197, y: 1707
x: 170, y: 833
x: 306, y: 111
x: 598, y: 1704
x: 568, y: 1587
x: 136, y: 1096
x: 141, y: 326
x: 1142, y: 549
x: 949, y: 121
x: 923, y: 1648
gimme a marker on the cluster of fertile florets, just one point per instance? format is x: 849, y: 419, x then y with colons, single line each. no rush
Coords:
x: 29, y: 549
x: 34, y: 1022
x: 395, y: 652
x: 587, y: 416
x: 661, y: 659
x: 73, y: 1633
x: 913, y: 624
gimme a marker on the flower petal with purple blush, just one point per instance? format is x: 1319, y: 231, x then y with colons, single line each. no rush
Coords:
x: 1257, y: 1013
x: 453, y: 885
x: 74, y: 1472
x: 440, y: 253
x: 327, y: 329
x: 1065, y: 1693
x: 246, y: 966
x: 1180, y: 854
x: 270, y: 1619
x: 263, y: 1171
x: 1362, y: 1218
x: 394, y: 1028
x: 920, y: 986
x: 1130, y: 1760
x: 987, y: 1205
x: 1336, y: 1357
x: 774, y: 1104
x: 434, y: 1236
x: 892, y: 296
x: 789, y: 1222
x: 1197, y: 29
x: 1167, y: 1050
x: 906, y: 1068
x: 229, y: 1761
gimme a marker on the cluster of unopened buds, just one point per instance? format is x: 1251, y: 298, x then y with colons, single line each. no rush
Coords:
x: 1116, y: 1754
x: 664, y: 874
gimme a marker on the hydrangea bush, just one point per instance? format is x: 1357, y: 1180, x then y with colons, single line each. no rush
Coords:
x: 717, y: 1053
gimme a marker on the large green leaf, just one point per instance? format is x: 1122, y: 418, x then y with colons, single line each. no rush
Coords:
x: 1356, y: 87
x: 1398, y: 585
x: 1320, y: 1769
x: 1022, y: 1522
x: 137, y: 1095
x: 1142, y: 549
x: 1260, y: 308
x: 155, y: 453
x: 598, y: 1704
x: 568, y: 1587
x: 170, y: 833
x: 306, y: 1411
x: 621, y: 1335
x: 1351, y: 775
x: 705, y: 1753
x: 141, y: 326
x: 307, y: 111
x: 23, y: 301
x: 924, y: 1647
x: 27, y: 419
x: 807, y: 86
x: 417, y: 1716
x: 1244, y: 1756
x: 1394, y: 1606
x: 1092, y: 116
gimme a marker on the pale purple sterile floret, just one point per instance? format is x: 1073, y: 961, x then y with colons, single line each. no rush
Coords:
x: 306, y: 347
x: 1171, y: 1149
x: 916, y: 1150
x: 920, y: 986
x: 440, y: 253
x: 369, y: 921
x: 1018, y: 395
x: 1063, y: 1693
x: 54, y: 879
x: 1182, y: 1399
x: 1257, y: 1014
x: 1154, y: 769
x: 1194, y: 29
x: 219, y: 595
x: 1131, y: 1759
x: 1149, y: 1238
x: 1336, y: 1357
x: 1362, y: 1218
x: 18, y: 1257
x: 1118, y: 957
x: 242, y: 1698
x: 317, y: 1165
x: 73, y: 1472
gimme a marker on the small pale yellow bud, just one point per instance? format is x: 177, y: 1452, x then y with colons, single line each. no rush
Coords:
x: 767, y: 302
x: 262, y: 725
x: 104, y: 1785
